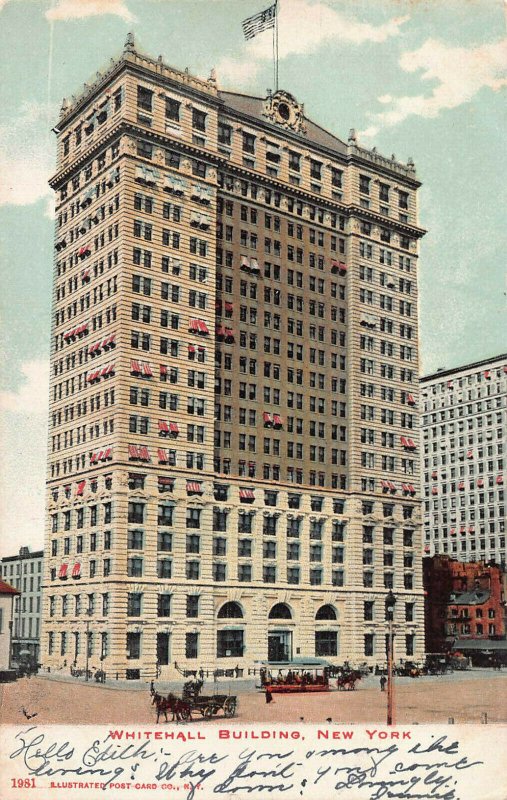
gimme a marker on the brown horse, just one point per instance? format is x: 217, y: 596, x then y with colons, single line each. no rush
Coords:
x: 179, y: 709
x: 348, y: 682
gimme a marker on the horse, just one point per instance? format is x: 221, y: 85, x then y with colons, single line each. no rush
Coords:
x: 348, y: 682
x: 179, y: 709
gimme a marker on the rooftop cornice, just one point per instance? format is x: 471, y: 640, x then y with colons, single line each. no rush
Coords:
x: 131, y: 59
x: 436, y: 376
x: 387, y: 222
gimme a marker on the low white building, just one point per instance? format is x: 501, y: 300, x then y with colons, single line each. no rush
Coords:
x: 7, y: 594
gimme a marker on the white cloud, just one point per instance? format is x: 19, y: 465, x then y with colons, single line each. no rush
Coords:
x: 460, y: 73
x: 32, y: 395
x: 79, y: 9
x: 26, y: 155
x: 304, y: 26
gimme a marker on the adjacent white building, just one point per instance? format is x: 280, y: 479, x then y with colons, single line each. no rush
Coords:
x: 24, y: 572
x: 464, y: 475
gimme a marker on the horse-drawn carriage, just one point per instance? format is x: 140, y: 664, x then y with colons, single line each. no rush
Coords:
x: 192, y: 700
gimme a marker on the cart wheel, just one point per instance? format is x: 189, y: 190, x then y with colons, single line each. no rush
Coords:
x: 230, y: 707
x: 208, y: 712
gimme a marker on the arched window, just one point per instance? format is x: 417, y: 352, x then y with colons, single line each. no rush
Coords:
x: 280, y: 611
x: 326, y: 612
x: 230, y: 611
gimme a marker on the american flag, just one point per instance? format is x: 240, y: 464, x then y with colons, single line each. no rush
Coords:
x: 259, y: 22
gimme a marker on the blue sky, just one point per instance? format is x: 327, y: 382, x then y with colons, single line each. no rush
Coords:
x: 420, y: 79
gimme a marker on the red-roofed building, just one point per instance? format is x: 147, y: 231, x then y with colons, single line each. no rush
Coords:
x: 7, y: 595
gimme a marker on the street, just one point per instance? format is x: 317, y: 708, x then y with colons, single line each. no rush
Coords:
x: 464, y: 696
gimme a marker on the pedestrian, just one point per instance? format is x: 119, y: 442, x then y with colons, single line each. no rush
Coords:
x: 383, y: 681
x: 152, y: 688
x: 269, y: 696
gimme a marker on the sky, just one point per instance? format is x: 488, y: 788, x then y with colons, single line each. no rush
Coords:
x: 419, y: 79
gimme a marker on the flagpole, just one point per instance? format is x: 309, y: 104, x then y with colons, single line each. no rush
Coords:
x: 276, y: 46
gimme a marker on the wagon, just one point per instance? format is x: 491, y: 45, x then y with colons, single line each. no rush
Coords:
x: 209, y: 706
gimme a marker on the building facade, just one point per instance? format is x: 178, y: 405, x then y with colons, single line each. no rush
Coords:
x: 7, y: 595
x: 465, y: 602
x: 464, y: 425
x: 233, y: 455
x: 24, y: 571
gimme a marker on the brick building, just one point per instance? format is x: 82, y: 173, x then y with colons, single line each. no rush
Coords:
x: 464, y: 602
x: 233, y: 456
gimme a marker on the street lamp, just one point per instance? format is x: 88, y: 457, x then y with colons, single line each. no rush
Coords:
x: 390, y: 602
x: 87, y: 645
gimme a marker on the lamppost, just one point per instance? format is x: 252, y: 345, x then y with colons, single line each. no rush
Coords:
x: 390, y: 602
x: 87, y: 644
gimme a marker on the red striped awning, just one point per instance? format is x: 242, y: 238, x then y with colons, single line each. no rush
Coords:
x: 203, y: 328
x: 191, y: 349
x: 108, y: 453
x: 245, y: 264
x: 449, y: 384
x: 194, y: 487
x: 163, y: 369
x: 144, y: 453
x: 173, y: 428
x: 100, y: 456
x: 392, y: 486
x: 105, y: 371
x: 434, y: 490
x: 163, y: 426
x: 277, y: 421
x: 220, y: 330
x: 133, y: 451
x: 411, y: 488
x: 63, y: 571
x: 76, y: 570
x: 499, y: 478
x: 405, y: 487
x: 267, y: 418
x: 411, y: 399
x: 480, y: 482
x: 254, y: 265
x: 229, y: 333
x: 434, y: 474
x: 487, y: 374
x: 228, y: 306
x: 80, y: 488
x: 246, y: 494
x: 470, y: 454
x: 193, y: 326
x: 166, y: 481
x: 163, y: 455
x: 461, y: 485
x: 83, y: 251
x: 462, y: 529
x: 147, y: 370
x: 135, y: 366
x: 404, y: 441
x: 93, y: 458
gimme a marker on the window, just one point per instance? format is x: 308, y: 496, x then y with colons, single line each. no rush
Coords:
x: 134, y: 602
x: 326, y: 643
x: 192, y: 605
x: 199, y: 119
x: 133, y: 645
x: 230, y: 644
x: 191, y: 645
x: 164, y: 605
x: 172, y: 109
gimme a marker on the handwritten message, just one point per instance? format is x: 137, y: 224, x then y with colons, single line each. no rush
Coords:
x: 361, y: 763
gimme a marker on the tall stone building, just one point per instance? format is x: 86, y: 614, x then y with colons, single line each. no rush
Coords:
x: 464, y: 426
x: 233, y: 455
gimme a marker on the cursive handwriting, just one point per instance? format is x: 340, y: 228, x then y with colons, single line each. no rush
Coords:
x: 428, y: 769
